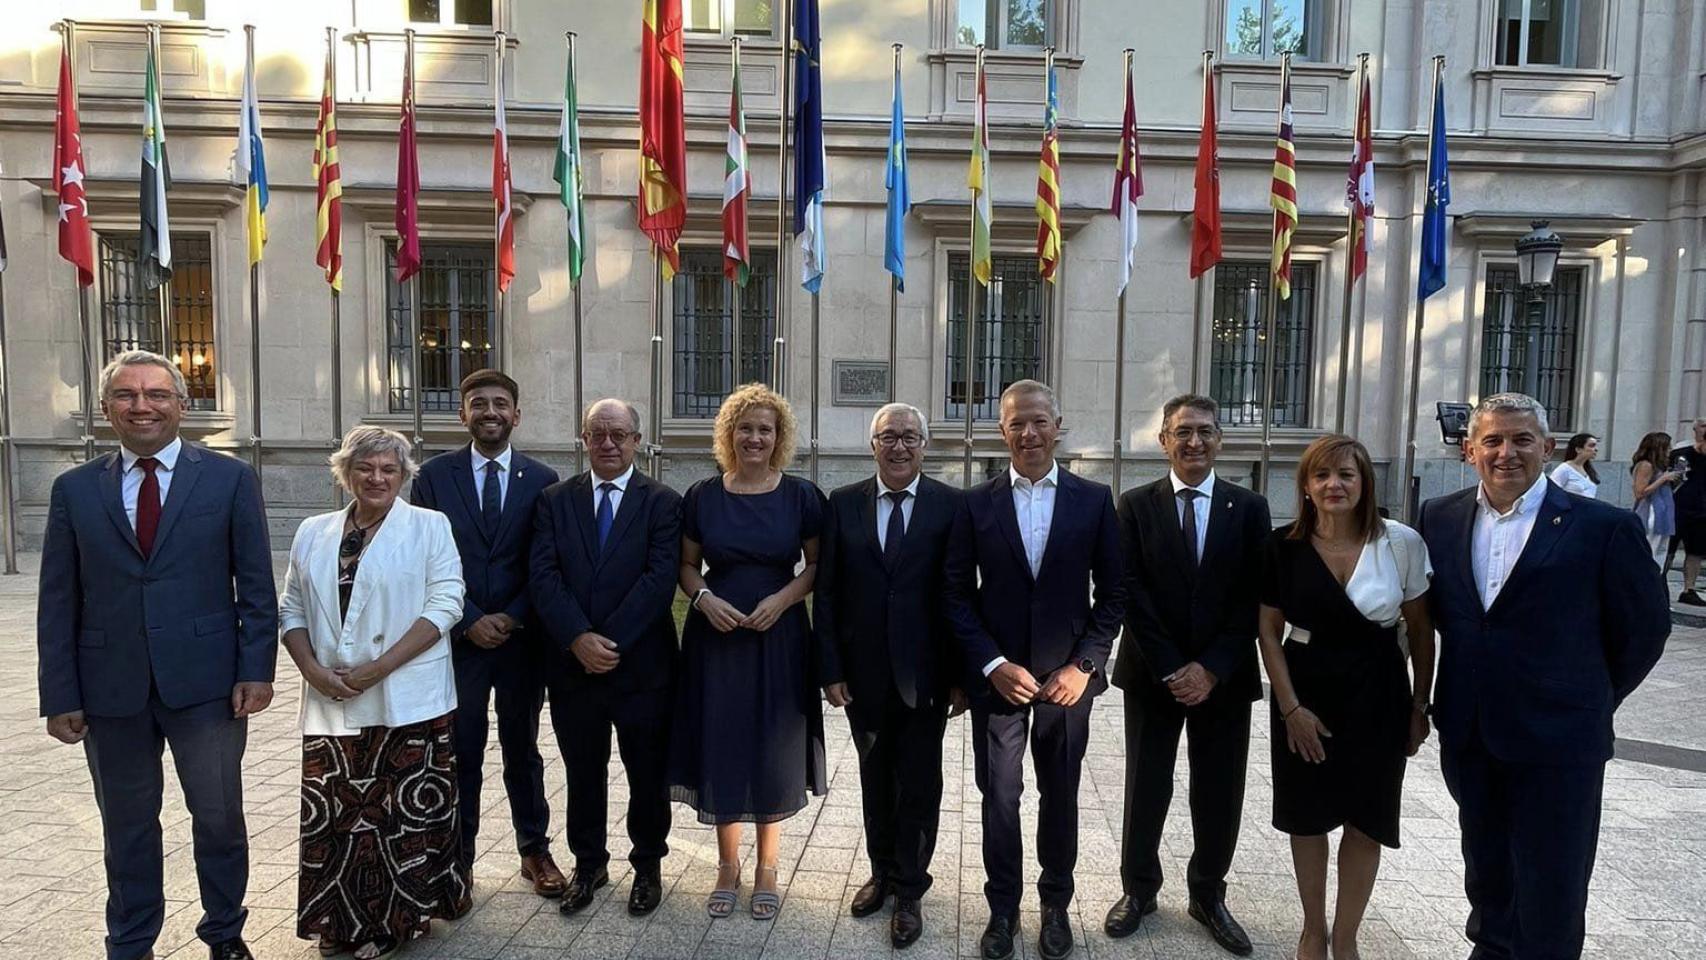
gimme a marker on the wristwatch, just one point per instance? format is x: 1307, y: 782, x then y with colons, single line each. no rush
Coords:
x: 1087, y: 665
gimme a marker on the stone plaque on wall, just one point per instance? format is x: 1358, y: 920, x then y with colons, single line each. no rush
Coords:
x: 860, y: 383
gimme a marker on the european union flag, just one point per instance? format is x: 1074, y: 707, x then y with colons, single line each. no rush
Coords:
x: 900, y: 194
x: 808, y: 144
x: 1434, y: 227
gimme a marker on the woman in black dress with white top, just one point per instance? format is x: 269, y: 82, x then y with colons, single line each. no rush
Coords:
x: 1346, y: 711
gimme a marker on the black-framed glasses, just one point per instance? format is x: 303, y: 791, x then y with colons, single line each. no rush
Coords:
x: 597, y: 438
x: 889, y: 441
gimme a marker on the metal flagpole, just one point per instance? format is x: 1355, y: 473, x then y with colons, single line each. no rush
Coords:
x: 8, y: 509
x: 1273, y: 318
x: 415, y: 287
x: 1196, y: 293
x: 1411, y: 485
x: 971, y: 299
x: 88, y: 385
x: 498, y: 297
x: 655, y: 461
x: 816, y: 336
x: 735, y: 291
x: 164, y: 302
x: 254, y: 299
x: 779, y: 346
x: 580, y: 365
x: 1119, y: 320
x: 1351, y: 240
x: 337, y: 332
x: 894, y: 285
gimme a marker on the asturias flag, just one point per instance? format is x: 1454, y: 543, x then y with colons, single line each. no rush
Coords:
x: 663, y: 134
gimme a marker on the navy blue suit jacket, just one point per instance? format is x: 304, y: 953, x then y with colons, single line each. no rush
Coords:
x: 1045, y: 622
x: 623, y: 592
x: 195, y: 618
x: 494, y: 568
x: 1577, y: 626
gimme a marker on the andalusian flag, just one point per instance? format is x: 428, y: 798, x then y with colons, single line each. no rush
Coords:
x: 663, y: 133
x: 154, y: 251
x: 1048, y: 185
x: 737, y: 187
x: 982, y: 265
x: 252, y: 163
x: 328, y: 187
x: 567, y: 173
x: 1283, y: 197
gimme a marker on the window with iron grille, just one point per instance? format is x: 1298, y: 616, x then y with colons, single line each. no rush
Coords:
x: 703, y: 371
x: 1009, y: 333
x: 1238, y: 360
x: 175, y: 320
x: 1538, y: 356
x: 458, y: 327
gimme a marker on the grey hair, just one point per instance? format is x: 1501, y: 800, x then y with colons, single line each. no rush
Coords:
x: 143, y: 358
x: 1034, y: 386
x: 1509, y: 403
x: 892, y: 409
x: 633, y: 412
x: 363, y: 442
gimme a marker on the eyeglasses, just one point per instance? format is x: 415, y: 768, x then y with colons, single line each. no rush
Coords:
x: 1186, y: 434
x: 152, y: 397
x: 889, y: 441
x: 597, y: 438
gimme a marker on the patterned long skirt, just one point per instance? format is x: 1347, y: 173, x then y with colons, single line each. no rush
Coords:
x: 379, y: 834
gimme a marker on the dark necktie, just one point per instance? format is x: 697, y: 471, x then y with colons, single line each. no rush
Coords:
x: 491, y: 498
x: 147, y: 505
x: 606, y: 513
x: 1189, y: 497
x: 896, y: 528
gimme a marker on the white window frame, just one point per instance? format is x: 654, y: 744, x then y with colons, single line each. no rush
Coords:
x: 727, y: 31
x: 996, y: 31
x: 1570, y: 48
x: 1315, y: 14
x: 447, y: 17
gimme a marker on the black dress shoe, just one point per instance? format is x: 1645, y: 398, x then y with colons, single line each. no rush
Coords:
x: 1219, y: 922
x: 907, y: 924
x: 1126, y: 915
x: 997, y: 940
x: 870, y: 897
x: 581, y: 888
x: 1054, y: 941
x: 232, y: 949
x: 646, y: 894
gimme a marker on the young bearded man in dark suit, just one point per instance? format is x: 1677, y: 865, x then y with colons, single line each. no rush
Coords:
x: 488, y: 489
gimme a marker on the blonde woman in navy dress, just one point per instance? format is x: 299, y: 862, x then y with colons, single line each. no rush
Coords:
x: 748, y: 743
x: 1346, y: 712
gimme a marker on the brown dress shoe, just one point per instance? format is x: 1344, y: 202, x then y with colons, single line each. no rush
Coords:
x: 541, y: 871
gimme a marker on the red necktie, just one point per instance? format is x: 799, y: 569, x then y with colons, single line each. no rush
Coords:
x: 147, y: 505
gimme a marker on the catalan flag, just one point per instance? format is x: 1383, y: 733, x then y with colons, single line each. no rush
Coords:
x: 328, y: 185
x: 982, y: 263
x: 1283, y: 196
x: 1048, y: 183
x: 663, y: 133
x: 737, y: 187
x: 1128, y: 182
x: 251, y: 163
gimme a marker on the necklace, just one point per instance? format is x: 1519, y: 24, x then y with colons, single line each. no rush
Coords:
x: 355, y: 541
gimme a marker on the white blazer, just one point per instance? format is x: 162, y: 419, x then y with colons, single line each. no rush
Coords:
x: 411, y: 570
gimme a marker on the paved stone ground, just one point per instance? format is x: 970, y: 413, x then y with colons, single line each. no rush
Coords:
x: 1648, y: 899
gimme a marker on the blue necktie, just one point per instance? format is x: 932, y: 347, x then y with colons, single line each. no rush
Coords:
x: 606, y: 515
x: 491, y: 498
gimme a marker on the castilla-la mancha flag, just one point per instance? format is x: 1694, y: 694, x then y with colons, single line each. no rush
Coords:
x: 663, y: 134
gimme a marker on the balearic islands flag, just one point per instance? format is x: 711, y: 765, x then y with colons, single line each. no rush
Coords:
x: 737, y: 187
x: 663, y: 134
x: 154, y: 249
x: 1283, y: 195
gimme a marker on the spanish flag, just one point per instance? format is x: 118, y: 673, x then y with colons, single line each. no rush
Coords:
x: 663, y: 134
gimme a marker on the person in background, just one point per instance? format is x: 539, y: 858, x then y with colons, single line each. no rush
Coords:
x: 1652, y: 482
x: 1577, y: 474
x: 1689, y: 461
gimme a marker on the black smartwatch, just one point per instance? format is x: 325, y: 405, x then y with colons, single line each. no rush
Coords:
x: 1087, y: 665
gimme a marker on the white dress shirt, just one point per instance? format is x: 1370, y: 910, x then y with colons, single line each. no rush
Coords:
x: 480, y: 461
x: 885, y: 506
x: 133, y: 475
x: 1500, y: 537
x: 615, y: 495
x: 1203, y: 504
x: 1033, y: 504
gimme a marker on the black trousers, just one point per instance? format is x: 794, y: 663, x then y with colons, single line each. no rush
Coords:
x: 1530, y: 833
x: 124, y: 755
x: 900, y: 782
x: 1218, y: 752
x: 512, y: 672
x: 583, y: 718
x: 1057, y: 737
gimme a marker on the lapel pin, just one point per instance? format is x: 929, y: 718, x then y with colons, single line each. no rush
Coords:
x: 1557, y: 520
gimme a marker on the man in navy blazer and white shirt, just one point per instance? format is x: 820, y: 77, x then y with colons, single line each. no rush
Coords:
x: 158, y: 624
x: 1550, y: 612
x: 1035, y: 594
x: 488, y: 490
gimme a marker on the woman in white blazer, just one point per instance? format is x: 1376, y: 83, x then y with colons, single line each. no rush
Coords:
x: 369, y: 599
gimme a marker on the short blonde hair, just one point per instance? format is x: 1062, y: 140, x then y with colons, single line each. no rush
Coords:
x: 364, y: 442
x: 754, y: 396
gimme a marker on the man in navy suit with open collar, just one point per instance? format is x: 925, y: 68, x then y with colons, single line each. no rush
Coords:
x: 1550, y: 612
x: 488, y: 490
x: 157, y: 624
x: 1035, y: 594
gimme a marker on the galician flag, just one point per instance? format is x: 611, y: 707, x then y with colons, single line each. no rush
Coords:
x: 900, y: 192
x: 737, y: 188
x: 567, y: 173
x: 251, y: 165
x: 503, y: 210
x: 154, y: 252
x: 982, y: 263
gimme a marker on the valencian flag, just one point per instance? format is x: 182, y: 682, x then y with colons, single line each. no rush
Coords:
x: 1283, y: 197
x: 154, y: 250
x: 76, y: 244
x: 809, y: 174
x: 1432, y: 275
x: 1128, y: 183
x: 567, y: 173
x: 663, y: 134
x: 900, y: 192
x: 407, y: 215
x: 328, y: 188
x: 1048, y: 184
x: 737, y: 187
x: 502, y: 209
x: 1205, y: 217
x: 1359, y: 185
x: 252, y: 164
x: 982, y: 265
